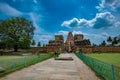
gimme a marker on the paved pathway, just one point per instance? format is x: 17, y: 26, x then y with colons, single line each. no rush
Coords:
x: 55, y: 70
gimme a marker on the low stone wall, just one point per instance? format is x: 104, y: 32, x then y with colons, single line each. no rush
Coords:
x: 100, y: 49
x: 106, y: 49
x: 87, y: 50
x: 38, y: 50
x: 53, y: 49
x: 48, y: 49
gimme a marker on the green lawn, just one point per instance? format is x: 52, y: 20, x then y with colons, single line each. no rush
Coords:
x: 9, y: 57
x: 12, y: 63
x: 112, y: 58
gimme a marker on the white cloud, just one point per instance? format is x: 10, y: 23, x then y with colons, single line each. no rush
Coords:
x: 35, y: 19
x: 62, y: 32
x: 43, y: 38
x: 101, y: 5
x: 39, y: 34
x: 79, y: 32
x: 75, y: 23
x: 46, y: 38
x: 110, y: 5
x: 105, y: 34
x: 9, y: 10
x: 117, y: 24
x: 103, y: 19
x: 115, y: 4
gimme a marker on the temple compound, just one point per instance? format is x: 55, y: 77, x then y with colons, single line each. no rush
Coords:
x: 72, y: 43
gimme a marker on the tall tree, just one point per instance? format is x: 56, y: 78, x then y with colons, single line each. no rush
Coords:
x: 44, y: 45
x: 33, y: 43
x: 39, y: 44
x: 109, y: 40
x: 94, y: 45
x: 115, y: 41
x: 118, y: 40
x: 16, y: 31
x: 103, y: 43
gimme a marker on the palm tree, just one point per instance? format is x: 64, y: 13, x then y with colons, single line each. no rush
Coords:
x: 109, y: 40
x: 103, y: 43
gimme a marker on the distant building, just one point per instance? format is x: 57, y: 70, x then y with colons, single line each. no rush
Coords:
x: 59, y: 41
x: 79, y: 41
x: 57, y: 44
x: 71, y: 44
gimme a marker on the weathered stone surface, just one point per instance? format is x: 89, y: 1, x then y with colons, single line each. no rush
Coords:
x: 70, y: 45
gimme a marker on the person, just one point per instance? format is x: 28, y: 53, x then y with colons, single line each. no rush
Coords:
x: 55, y: 55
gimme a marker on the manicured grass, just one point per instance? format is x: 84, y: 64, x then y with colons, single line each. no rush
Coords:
x: 12, y: 63
x: 9, y: 57
x: 112, y: 58
x: 102, y: 64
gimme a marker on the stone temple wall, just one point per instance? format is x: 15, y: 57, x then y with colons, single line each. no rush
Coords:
x: 81, y: 50
x: 98, y: 50
x: 48, y: 49
x: 75, y: 43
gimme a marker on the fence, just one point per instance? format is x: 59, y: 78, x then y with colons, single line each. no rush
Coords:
x: 21, y: 61
x: 108, y: 71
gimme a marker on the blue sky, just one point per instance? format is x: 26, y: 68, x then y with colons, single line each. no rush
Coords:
x: 95, y: 19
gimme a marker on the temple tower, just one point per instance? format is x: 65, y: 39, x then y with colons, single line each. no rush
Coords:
x: 69, y: 42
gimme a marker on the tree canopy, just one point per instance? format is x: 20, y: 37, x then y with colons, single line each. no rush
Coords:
x: 103, y: 43
x: 17, y: 32
x: 39, y: 44
x: 33, y: 43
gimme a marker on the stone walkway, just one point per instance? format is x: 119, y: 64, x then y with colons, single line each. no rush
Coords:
x: 55, y: 70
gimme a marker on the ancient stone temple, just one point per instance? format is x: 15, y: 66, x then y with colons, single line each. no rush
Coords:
x: 79, y: 41
x: 57, y: 44
x: 69, y: 44
x: 59, y: 41
x: 72, y: 43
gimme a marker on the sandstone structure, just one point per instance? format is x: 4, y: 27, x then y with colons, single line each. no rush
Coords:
x: 59, y: 41
x: 71, y: 44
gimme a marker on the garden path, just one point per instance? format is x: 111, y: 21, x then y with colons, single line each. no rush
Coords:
x: 55, y: 70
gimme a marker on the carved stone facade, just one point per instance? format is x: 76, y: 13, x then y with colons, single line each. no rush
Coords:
x: 71, y: 44
x: 59, y: 41
x: 79, y: 41
x: 56, y: 44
